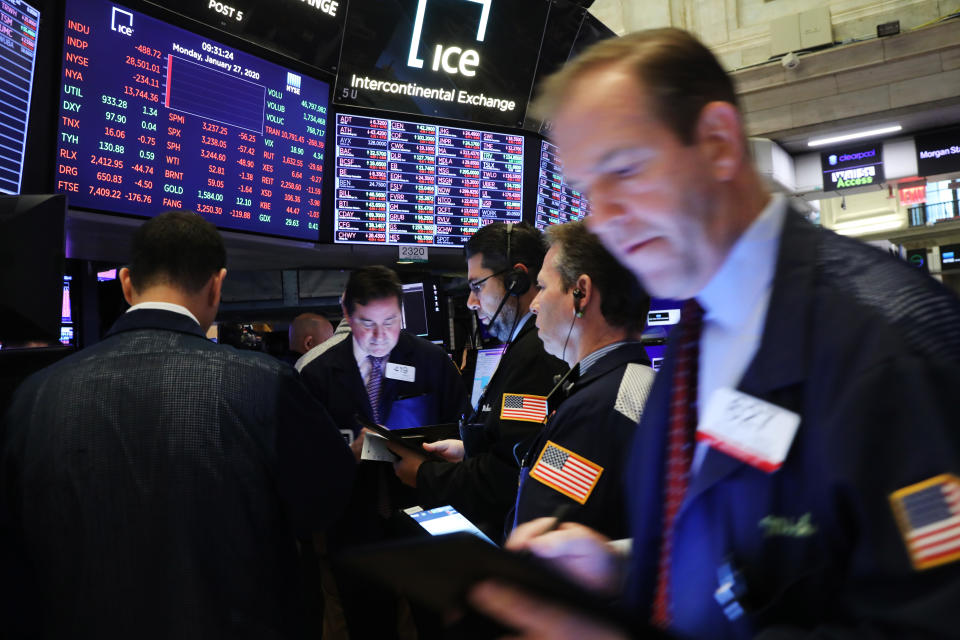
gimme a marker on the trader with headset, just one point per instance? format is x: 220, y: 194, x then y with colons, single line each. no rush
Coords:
x: 589, y: 312
x: 480, y: 477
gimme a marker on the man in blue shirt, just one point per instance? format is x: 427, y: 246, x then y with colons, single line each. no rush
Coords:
x: 795, y: 471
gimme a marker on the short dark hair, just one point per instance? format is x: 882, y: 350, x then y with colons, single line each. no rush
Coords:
x: 371, y: 283
x: 623, y: 302
x: 526, y: 247
x: 178, y: 248
x: 680, y: 74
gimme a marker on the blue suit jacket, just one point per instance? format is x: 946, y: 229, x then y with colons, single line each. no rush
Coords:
x: 155, y: 483
x: 867, y: 351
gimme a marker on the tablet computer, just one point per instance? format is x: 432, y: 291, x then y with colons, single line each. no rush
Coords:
x: 443, y: 520
x: 397, y: 438
x: 438, y: 572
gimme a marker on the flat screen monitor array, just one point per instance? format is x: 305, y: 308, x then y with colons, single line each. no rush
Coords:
x: 154, y: 117
x: 18, y: 52
x: 557, y: 203
x: 401, y: 182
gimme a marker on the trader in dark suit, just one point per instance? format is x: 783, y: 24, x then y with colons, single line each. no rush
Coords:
x: 502, y: 261
x: 820, y: 498
x: 392, y: 378
x: 590, y: 312
x: 383, y: 373
x: 158, y: 482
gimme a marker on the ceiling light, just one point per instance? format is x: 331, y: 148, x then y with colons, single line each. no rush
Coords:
x: 819, y: 142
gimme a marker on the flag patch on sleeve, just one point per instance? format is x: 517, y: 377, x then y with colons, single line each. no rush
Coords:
x: 928, y: 514
x: 561, y: 469
x: 517, y: 406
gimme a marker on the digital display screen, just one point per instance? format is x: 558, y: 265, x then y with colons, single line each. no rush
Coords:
x: 154, y: 117
x: 400, y: 182
x: 950, y: 257
x: 556, y: 202
x: 443, y: 520
x: 487, y: 362
x: 18, y: 52
x: 938, y: 152
x: 471, y: 60
x: 852, y: 167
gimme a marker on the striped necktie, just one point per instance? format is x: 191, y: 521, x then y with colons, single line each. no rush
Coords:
x: 374, y: 381
x: 683, y: 424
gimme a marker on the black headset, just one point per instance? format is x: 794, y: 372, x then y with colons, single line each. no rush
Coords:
x: 516, y: 280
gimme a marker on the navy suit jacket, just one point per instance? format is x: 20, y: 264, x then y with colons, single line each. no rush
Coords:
x: 867, y: 351
x: 156, y: 483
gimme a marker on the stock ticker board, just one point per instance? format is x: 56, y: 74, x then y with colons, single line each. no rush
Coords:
x: 401, y: 182
x: 154, y: 117
x: 18, y: 52
x: 557, y: 203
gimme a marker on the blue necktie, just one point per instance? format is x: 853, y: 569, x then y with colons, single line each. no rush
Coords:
x: 374, y: 381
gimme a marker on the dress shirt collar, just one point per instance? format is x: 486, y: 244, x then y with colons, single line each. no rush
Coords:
x: 521, y: 325
x: 590, y: 359
x: 747, y: 272
x: 361, y: 355
x: 165, y: 306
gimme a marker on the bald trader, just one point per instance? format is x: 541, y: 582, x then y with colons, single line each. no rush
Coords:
x: 307, y: 331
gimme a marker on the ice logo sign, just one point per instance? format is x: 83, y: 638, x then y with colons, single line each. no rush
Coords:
x: 121, y: 21
x: 451, y: 59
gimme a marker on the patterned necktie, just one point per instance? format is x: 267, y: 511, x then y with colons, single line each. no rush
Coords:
x: 374, y: 381
x: 683, y: 423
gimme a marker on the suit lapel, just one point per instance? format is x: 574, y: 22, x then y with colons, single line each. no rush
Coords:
x: 345, y: 363
x: 781, y: 358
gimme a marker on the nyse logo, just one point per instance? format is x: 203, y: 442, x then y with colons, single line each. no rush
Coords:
x: 451, y: 59
x: 121, y: 21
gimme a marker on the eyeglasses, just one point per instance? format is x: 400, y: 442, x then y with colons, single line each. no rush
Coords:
x: 477, y: 285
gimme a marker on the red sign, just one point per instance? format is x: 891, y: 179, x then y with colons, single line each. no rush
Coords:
x: 911, y: 196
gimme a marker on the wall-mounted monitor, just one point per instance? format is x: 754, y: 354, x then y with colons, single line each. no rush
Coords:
x: 403, y: 182
x: 154, y: 117
x: 18, y: 53
x: 462, y: 59
x: 938, y: 152
x: 853, y: 166
x: 556, y: 201
x: 950, y: 257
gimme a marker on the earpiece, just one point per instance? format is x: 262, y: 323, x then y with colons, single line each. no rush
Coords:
x: 577, y: 297
x: 516, y: 281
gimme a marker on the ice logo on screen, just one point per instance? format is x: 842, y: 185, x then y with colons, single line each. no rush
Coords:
x: 293, y: 83
x: 832, y: 159
x: 453, y: 59
x: 121, y: 21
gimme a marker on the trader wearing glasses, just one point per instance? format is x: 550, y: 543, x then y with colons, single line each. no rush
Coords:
x: 480, y: 477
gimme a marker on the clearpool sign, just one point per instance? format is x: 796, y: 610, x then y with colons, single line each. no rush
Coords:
x: 852, y: 167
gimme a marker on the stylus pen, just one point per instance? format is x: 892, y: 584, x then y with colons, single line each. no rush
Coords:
x: 560, y: 516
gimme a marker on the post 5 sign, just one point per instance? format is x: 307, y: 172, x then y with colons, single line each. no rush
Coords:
x: 443, y: 56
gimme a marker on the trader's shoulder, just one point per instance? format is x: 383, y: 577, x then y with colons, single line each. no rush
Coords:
x: 887, y: 293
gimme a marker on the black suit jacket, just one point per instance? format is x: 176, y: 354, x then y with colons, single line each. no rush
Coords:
x: 436, y: 394
x: 155, y: 482
x: 867, y: 351
x: 483, y: 487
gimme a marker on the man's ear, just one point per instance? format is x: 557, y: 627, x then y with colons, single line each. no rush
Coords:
x: 126, y: 284
x: 216, y: 286
x: 721, y: 140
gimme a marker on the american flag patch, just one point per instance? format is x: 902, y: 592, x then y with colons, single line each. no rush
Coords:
x: 565, y: 471
x: 517, y: 406
x: 928, y: 514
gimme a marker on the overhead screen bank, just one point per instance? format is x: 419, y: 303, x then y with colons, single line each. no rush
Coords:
x: 400, y: 122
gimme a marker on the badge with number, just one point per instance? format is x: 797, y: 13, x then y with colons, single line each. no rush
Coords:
x: 402, y: 372
x: 748, y: 429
